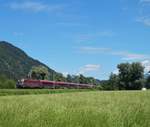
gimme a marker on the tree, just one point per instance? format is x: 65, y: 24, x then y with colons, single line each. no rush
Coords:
x: 124, y: 75
x: 82, y: 79
x: 113, y: 82
x: 59, y: 77
x: 75, y: 78
x: 148, y: 82
x: 69, y: 78
x: 91, y: 80
x: 104, y: 85
x: 39, y: 72
x: 131, y: 76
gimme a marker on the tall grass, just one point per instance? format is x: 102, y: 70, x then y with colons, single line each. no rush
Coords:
x: 78, y: 109
x: 5, y: 92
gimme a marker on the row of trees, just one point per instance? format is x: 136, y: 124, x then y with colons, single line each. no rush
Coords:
x: 81, y: 79
x: 40, y: 72
x: 130, y: 77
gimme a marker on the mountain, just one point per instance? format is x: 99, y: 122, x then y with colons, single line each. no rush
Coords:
x: 15, y: 63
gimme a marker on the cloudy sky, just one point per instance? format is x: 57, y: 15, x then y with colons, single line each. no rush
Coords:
x: 87, y: 37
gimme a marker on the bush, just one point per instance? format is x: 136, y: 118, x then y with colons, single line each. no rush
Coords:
x: 10, y: 84
x: 6, y: 83
x: 99, y: 87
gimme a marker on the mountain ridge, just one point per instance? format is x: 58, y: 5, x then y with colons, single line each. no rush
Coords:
x: 15, y: 63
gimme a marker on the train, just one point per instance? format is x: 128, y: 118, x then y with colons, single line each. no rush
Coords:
x: 30, y: 83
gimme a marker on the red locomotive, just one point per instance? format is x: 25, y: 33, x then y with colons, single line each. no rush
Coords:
x: 30, y: 83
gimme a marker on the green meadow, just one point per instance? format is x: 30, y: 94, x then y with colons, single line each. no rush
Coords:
x: 76, y: 109
x: 6, y: 92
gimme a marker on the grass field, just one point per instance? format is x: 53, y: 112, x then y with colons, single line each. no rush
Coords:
x: 77, y: 109
x: 6, y: 92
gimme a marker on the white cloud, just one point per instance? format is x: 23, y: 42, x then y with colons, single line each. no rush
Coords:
x: 70, y: 24
x: 135, y: 57
x: 144, y: 9
x: 124, y: 55
x: 130, y: 56
x: 145, y: 20
x: 116, y: 72
x: 91, y: 50
x: 18, y: 33
x: 89, y: 68
x: 105, y: 34
x: 146, y: 64
x: 144, y: 1
x: 91, y: 36
x: 34, y: 6
x: 65, y: 74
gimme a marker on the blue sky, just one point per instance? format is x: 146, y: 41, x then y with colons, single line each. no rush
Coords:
x: 89, y: 37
